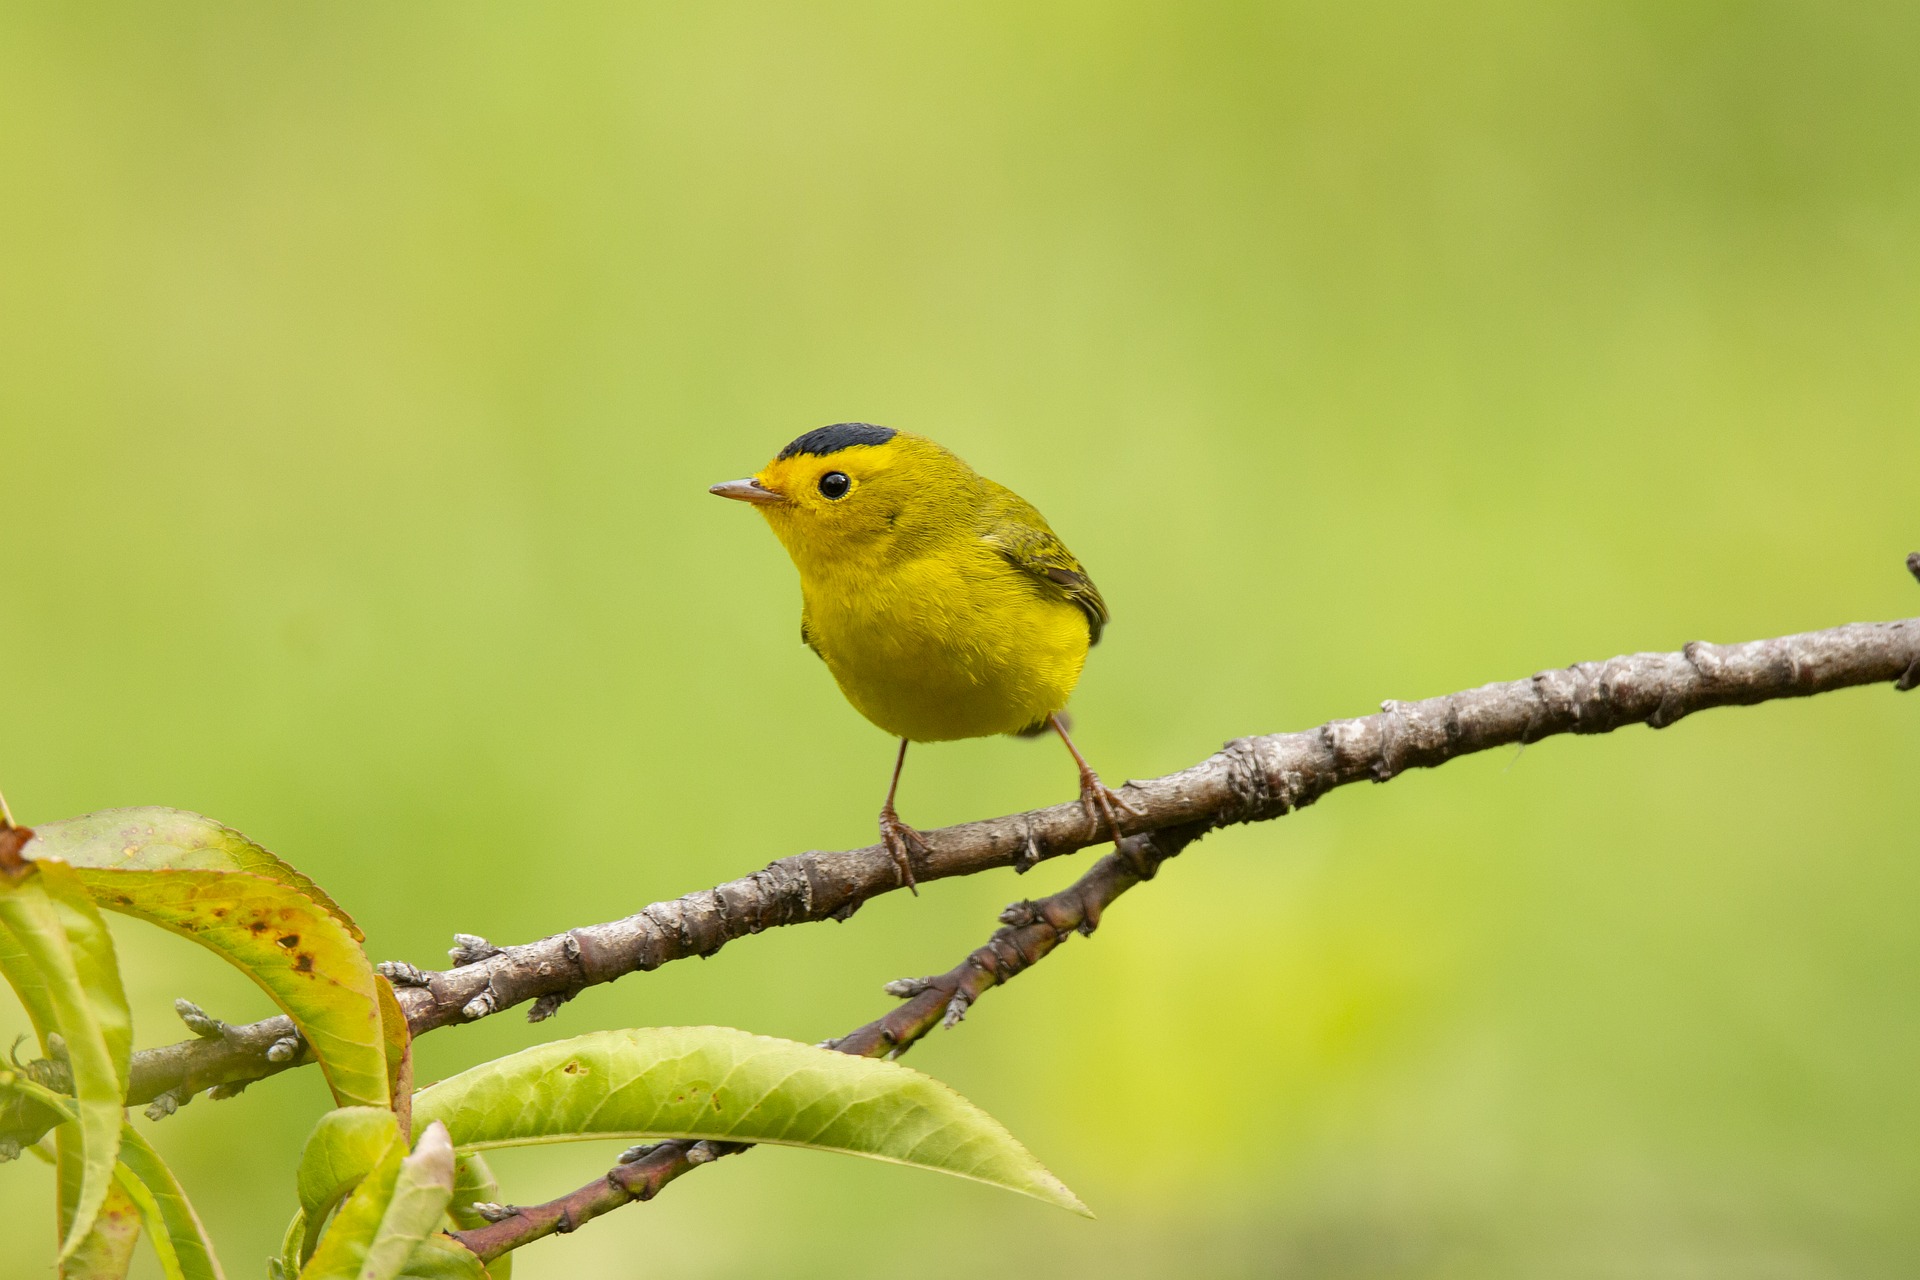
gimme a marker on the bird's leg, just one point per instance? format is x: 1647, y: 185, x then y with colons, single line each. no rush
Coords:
x: 899, y: 839
x: 1098, y: 799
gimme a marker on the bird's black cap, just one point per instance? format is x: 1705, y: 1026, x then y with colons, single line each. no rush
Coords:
x: 824, y: 441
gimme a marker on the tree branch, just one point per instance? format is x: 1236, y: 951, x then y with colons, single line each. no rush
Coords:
x: 1250, y: 780
x: 1029, y: 932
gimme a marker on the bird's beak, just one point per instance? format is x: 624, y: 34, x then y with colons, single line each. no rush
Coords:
x: 748, y: 490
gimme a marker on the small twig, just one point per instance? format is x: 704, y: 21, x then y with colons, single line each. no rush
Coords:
x: 1029, y: 932
x: 639, y: 1179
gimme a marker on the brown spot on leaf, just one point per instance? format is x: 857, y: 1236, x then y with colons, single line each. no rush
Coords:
x: 258, y: 926
x: 288, y: 940
x: 573, y: 1068
x: 303, y: 963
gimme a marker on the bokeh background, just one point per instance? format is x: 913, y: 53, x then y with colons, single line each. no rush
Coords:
x: 363, y: 368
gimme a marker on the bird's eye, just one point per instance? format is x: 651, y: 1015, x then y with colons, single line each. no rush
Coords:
x: 835, y: 484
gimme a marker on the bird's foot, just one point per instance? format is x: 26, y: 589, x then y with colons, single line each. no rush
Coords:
x: 903, y: 842
x: 1102, y: 804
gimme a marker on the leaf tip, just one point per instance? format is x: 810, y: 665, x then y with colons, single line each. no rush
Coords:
x: 1055, y: 1192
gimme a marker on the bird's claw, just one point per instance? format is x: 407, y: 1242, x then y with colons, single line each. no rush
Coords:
x: 903, y: 843
x: 1101, y: 804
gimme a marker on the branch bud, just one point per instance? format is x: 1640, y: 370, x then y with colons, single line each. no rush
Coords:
x: 167, y: 1103
x: 470, y: 948
x: 402, y: 974
x: 198, y: 1021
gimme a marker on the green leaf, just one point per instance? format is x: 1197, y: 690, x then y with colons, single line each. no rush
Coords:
x: 441, y: 1258
x: 473, y: 1180
x: 29, y: 984
x: 286, y: 1265
x: 25, y: 1120
x: 345, y: 1146
x: 394, y: 1210
x: 156, y: 839
x: 94, y: 961
x: 398, y: 1203
x: 21, y: 1114
x: 298, y: 953
x: 77, y: 984
x: 343, y: 1248
x: 107, y: 1250
x: 713, y: 1082
x: 179, y: 1238
x: 18, y: 1093
x: 420, y: 1197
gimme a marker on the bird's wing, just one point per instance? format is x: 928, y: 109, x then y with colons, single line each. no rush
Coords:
x: 806, y: 634
x: 1020, y: 533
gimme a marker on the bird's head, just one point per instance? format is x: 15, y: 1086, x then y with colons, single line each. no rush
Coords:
x: 854, y: 490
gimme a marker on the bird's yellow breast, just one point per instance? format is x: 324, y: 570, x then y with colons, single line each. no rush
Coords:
x: 955, y: 643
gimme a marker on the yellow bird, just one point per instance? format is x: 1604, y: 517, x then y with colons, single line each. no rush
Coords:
x: 941, y: 601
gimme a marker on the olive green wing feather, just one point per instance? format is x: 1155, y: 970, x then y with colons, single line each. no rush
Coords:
x: 1020, y: 533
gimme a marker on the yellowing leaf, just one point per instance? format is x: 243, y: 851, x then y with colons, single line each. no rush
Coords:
x: 212, y: 884
x: 106, y: 1252
x: 294, y: 949
x: 713, y: 1082
x: 397, y: 1038
x: 157, y: 839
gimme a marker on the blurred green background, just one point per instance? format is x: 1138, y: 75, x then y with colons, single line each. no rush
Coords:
x: 362, y: 371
